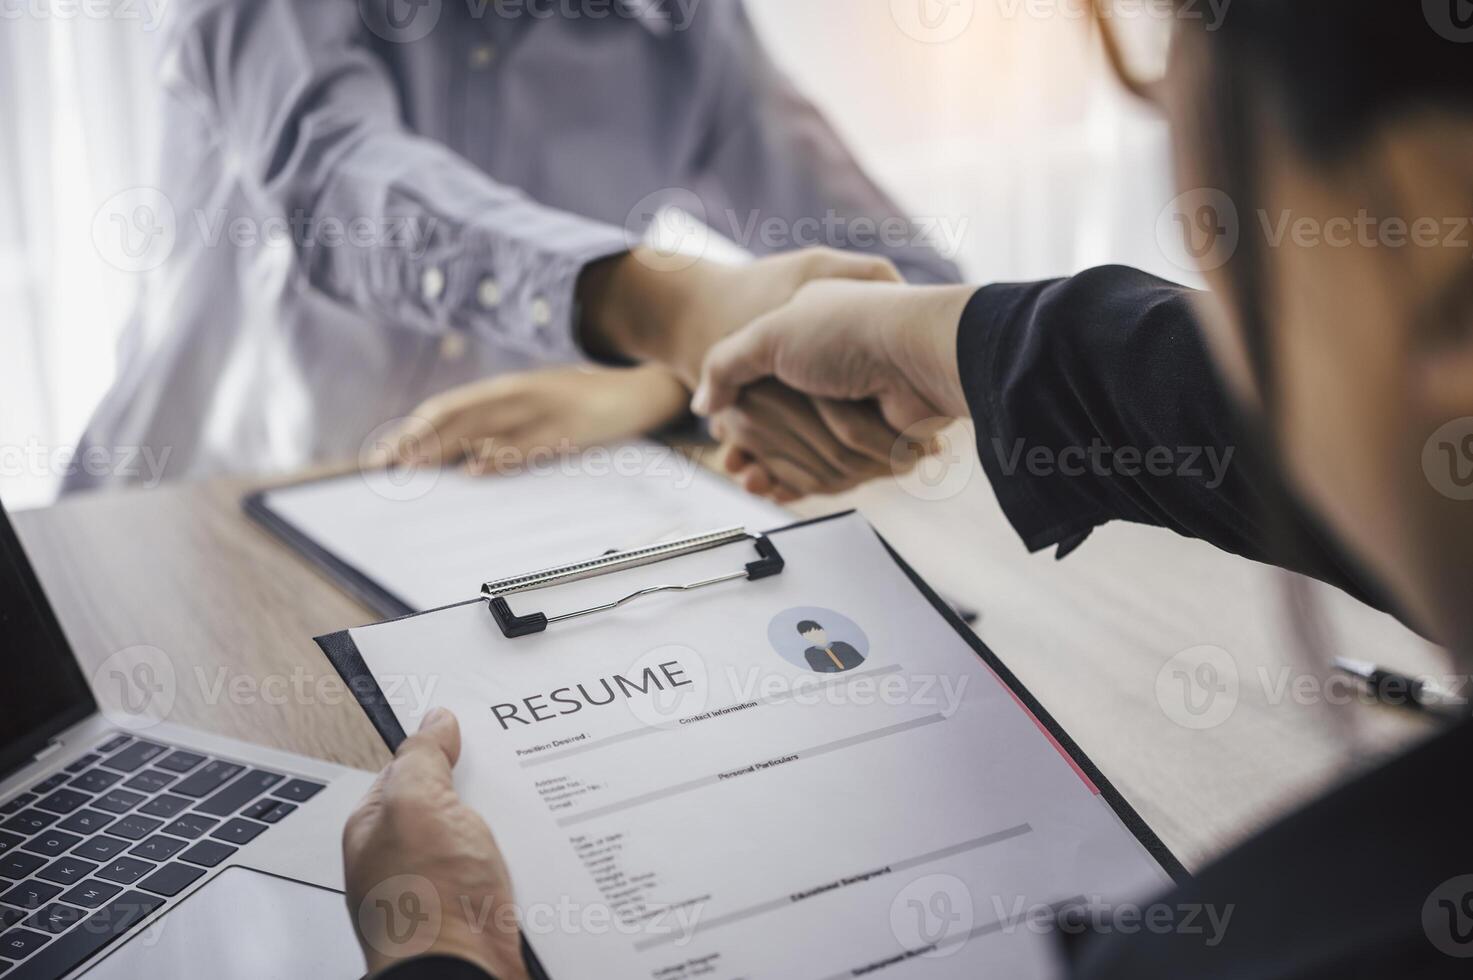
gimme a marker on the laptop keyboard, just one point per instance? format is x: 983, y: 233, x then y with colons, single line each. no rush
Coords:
x: 89, y: 851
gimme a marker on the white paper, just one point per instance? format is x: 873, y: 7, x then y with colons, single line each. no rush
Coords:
x: 431, y: 538
x: 748, y: 816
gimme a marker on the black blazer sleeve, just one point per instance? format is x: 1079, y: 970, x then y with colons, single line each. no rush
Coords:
x: 1095, y: 400
x: 434, y: 968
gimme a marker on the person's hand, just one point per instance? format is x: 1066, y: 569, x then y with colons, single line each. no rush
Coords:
x: 850, y: 342
x: 424, y: 876
x: 636, y: 308
x: 501, y: 422
x: 783, y: 445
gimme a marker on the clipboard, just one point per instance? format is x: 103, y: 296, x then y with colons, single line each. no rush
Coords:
x: 343, y: 653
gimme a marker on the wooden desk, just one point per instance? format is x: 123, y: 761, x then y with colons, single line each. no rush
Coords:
x: 180, y: 568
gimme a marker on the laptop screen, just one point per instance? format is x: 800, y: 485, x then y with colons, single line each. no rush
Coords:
x: 42, y: 690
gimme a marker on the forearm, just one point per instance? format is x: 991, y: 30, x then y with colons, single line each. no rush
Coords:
x: 393, y: 225
x: 1095, y: 400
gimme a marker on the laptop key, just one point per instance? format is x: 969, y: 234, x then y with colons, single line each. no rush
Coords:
x: 50, y: 843
x: 180, y: 761
x: 171, y: 879
x: 67, y: 870
x: 158, y: 848
x: 208, y: 853
x: 239, y: 793
x: 9, y: 842
x: 94, y: 933
x: 90, y: 894
x: 90, y: 759
x: 28, y: 822
x: 96, y: 780
x: 259, y: 808
x: 8, y: 918
x: 238, y: 831
x: 150, y: 781
x: 17, y: 865
x: 30, y: 894
x: 15, y: 805
x: 55, y: 918
x: 21, y: 942
x: 135, y: 827
x: 278, y: 811
x: 114, y: 743
x: 299, y: 790
x: 164, y: 806
x: 49, y: 783
x: 206, y: 780
x: 190, y: 826
x: 119, y: 801
x: 125, y: 870
x: 100, y: 848
x: 135, y: 756
x: 86, y: 821
x: 63, y: 801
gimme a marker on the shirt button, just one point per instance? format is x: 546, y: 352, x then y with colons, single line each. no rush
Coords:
x: 432, y: 283
x: 488, y: 293
x: 481, y: 57
x: 452, y: 346
x: 541, y: 312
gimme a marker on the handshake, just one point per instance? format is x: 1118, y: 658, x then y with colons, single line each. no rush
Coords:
x: 818, y: 370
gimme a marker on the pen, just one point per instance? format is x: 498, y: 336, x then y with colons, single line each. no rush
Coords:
x: 1391, y: 687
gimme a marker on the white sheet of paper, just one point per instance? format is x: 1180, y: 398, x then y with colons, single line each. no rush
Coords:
x: 731, y: 812
x: 432, y: 538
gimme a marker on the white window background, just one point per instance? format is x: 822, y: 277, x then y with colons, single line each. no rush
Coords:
x: 997, y: 116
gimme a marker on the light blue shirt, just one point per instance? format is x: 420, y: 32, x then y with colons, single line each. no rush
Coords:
x: 379, y: 200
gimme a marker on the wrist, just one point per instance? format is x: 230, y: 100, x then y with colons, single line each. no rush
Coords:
x: 635, y: 310
x: 922, y: 340
x: 499, y: 956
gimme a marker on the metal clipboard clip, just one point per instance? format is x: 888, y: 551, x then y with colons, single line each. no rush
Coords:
x: 768, y: 563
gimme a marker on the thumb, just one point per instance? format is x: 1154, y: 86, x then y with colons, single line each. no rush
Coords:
x: 435, y: 748
x: 733, y: 363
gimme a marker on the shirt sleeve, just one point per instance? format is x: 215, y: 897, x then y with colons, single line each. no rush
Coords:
x: 1095, y: 400
x: 434, y: 968
x: 383, y: 220
x: 770, y: 156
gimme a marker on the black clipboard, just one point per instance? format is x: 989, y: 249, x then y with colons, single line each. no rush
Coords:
x: 345, y: 576
x: 343, y: 653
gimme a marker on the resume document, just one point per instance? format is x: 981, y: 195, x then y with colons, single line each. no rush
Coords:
x: 810, y: 775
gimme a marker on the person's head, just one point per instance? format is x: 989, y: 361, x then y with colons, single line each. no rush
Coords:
x: 1341, y: 131
x: 813, y: 633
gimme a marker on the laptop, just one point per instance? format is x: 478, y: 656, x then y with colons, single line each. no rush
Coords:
x: 130, y: 847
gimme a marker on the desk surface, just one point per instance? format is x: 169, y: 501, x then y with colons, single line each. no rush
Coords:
x: 182, y: 569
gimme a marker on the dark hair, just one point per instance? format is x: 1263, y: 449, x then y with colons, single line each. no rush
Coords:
x: 1325, y: 74
x: 808, y: 626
